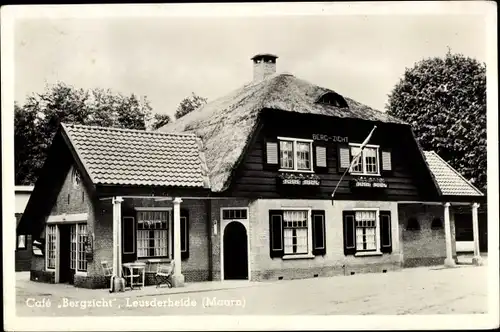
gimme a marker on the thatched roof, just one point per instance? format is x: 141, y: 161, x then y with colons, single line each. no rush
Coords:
x: 226, y: 124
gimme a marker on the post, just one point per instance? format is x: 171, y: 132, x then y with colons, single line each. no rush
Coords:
x: 449, y: 262
x: 117, y: 282
x: 476, y: 260
x: 177, y: 278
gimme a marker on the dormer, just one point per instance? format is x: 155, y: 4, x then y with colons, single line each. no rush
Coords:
x: 332, y: 98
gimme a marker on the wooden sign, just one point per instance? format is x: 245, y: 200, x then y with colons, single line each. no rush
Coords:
x: 330, y: 138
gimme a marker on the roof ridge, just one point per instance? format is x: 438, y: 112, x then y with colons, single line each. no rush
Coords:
x: 153, y: 132
x: 456, y: 172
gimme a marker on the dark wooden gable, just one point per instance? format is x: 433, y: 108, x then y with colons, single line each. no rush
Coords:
x: 257, y: 175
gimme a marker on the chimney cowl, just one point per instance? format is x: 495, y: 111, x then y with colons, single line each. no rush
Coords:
x: 264, y: 65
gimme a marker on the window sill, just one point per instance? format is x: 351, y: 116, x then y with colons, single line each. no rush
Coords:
x: 365, y: 174
x: 81, y: 273
x: 304, y: 256
x: 368, y: 253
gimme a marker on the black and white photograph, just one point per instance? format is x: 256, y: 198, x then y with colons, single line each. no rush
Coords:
x: 258, y: 166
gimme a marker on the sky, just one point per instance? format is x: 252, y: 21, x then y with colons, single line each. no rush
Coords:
x: 167, y: 58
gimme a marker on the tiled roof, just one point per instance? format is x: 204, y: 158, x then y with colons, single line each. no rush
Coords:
x: 450, y: 182
x: 137, y: 157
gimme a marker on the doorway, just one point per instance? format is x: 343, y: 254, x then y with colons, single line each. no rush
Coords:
x: 235, y: 252
x: 66, y: 273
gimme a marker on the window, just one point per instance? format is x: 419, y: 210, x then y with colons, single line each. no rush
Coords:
x: 228, y: 214
x: 366, y: 226
x: 82, y: 239
x: 332, y: 98
x: 295, y: 227
x: 368, y: 162
x: 78, y: 237
x: 296, y: 233
x: 21, y: 242
x: 152, y: 233
x: 73, y: 247
x: 51, y: 246
x: 367, y: 232
x: 295, y: 154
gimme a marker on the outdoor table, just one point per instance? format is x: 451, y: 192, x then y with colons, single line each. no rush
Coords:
x: 136, y: 273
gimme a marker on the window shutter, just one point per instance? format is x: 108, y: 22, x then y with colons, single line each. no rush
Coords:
x: 184, y: 234
x: 386, y: 161
x: 385, y: 232
x: 271, y: 154
x: 349, y: 232
x: 128, y: 233
x: 319, y: 235
x: 343, y: 157
x: 320, y: 150
x: 276, y: 233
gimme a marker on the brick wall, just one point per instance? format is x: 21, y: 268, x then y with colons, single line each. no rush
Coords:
x: 334, y: 262
x: 71, y: 199
x: 425, y: 246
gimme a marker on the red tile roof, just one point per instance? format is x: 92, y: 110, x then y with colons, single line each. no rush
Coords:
x: 450, y: 182
x: 137, y: 157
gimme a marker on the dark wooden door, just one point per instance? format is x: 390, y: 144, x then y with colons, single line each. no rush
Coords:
x: 235, y: 251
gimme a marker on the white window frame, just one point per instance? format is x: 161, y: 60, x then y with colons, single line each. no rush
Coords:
x: 309, y: 253
x: 56, y: 240
x: 169, y: 231
x: 358, y: 145
x: 295, y: 159
x: 78, y: 251
x: 377, y: 233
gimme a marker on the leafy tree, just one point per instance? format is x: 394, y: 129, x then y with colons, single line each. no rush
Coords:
x: 38, y: 119
x: 444, y: 100
x: 159, y: 120
x: 189, y: 104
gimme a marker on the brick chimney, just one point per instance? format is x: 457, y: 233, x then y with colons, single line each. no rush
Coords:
x: 264, y: 65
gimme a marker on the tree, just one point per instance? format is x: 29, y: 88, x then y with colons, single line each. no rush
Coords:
x: 159, y: 120
x: 189, y: 104
x: 38, y: 119
x: 444, y: 101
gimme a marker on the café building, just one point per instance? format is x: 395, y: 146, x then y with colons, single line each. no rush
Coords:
x: 241, y: 188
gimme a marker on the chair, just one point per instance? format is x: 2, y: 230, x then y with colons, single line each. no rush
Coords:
x: 131, y: 273
x: 108, y: 273
x: 107, y: 269
x: 164, y: 272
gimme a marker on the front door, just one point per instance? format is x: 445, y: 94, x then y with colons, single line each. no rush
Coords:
x: 235, y: 251
x: 66, y: 273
